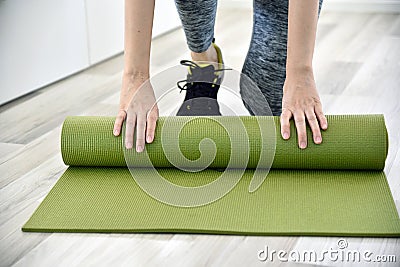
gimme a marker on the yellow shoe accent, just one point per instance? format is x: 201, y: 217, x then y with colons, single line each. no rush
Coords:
x: 219, y: 53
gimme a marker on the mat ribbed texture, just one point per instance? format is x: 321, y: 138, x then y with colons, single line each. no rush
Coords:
x: 337, y: 188
x: 353, y: 142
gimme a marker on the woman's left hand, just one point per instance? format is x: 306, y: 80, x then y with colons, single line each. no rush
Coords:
x: 301, y: 101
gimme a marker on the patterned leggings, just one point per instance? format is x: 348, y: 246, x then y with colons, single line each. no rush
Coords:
x: 265, y: 62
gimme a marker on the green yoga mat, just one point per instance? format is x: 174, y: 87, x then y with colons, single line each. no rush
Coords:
x: 337, y: 188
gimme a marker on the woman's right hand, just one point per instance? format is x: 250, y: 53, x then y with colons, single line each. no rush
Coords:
x: 138, y: 107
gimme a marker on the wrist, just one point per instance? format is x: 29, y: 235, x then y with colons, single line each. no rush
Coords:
x: 299, y: 77
x: 136, y: 75
x: 299, y: 69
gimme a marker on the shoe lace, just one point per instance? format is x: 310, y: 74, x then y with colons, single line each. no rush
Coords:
x: 191, y: 81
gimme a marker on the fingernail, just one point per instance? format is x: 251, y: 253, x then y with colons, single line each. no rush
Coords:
x: 128, y: 145
x: 149, y: 139
x: 115, y: 132
x: 303, y: 145
x: 285, y: 135
x: 324, y: 126
x: 318, y: 140
x: 139, y: 148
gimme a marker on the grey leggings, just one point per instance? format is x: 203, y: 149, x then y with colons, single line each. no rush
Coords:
x: 265, y: 62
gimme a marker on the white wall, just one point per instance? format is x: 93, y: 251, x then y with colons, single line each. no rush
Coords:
x: 105, y: 24
x: 43, y: 41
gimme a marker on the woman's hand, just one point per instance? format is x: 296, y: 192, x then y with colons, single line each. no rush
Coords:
x: 300, y: 97
x: 301, y: 101
x: 137, y: 104
x: 138, y: 107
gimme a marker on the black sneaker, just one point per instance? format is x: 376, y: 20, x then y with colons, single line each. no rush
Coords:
x: 201, y: 85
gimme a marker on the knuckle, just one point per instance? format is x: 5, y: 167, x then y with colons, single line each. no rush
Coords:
x: 312, y: 119
x: 288, y: 108
x: 318, y: 107
x: 315, y: 131
x: 139, y: 138
x: 130, y: 122
x: 298, y: 106
x: 308, y: 102
x: 300, y: 120
x: 150, y: 129
x: 285, y: 118
x: 141, y: 124
x: 285, y: 124
x: 317, y: 101
x: 153, y: 116
x: 302, y: 137
x: 128, y: 135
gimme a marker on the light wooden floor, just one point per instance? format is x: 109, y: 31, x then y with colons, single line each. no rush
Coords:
x: 357, y: 65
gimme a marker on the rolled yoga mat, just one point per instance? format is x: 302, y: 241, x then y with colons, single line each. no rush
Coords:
x: 337, y: 188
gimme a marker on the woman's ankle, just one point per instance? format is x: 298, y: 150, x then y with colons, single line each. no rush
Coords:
x: 209, y: 55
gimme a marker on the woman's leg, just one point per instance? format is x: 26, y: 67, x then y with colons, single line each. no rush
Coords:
x: 265, y: 63
x: 198, y: 19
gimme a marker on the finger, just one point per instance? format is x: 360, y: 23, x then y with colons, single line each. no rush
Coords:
x: 130, y: 129
x: 313, y: 122
x: 300, y: 122
x: 151, y: 124
x: 118, y: 122
x: 285, y: 123
x: 323, y: 122
x: 140, y: 132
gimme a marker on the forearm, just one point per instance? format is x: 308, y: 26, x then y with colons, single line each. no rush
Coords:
x: 138, y: 31
x: 140, y: 111
x: 302, y: 26
x: 300, y: 97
